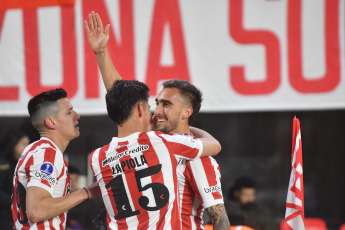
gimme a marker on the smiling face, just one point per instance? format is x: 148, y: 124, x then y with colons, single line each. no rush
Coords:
x: 170, y: 113
x: 66, y: 120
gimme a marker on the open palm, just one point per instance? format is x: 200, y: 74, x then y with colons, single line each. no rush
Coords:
x: 97, y: 36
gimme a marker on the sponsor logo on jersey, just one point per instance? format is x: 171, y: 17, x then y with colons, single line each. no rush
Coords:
x: 129, y: 164
x: 47, y: 168
x: 215, y: 188
x: 46, y: 177
x: 140, y: 148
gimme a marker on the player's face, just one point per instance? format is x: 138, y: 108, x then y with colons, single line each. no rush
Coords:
x: 67, y: 120
x: 246, y: 195
x: 168, y: 113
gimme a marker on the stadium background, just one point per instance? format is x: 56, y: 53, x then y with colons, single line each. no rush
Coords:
x: 253, y: 122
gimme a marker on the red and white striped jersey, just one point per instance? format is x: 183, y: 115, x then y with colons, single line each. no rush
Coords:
x: 137, y: 177
x: 41, y: 165
x: 200, y: 187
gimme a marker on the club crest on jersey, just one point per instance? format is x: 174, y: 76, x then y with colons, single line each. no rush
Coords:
x: 215, y: 188
x: 47, y: 168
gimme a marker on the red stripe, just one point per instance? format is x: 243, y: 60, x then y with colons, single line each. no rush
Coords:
x: 28, y: 164
x: 51, y: 226
x: 183, y: 150
x: 107, y: 177
x: 90, y: 161
x: 180, y: 149
x: 14, y: 205
x: 15, y: 201
x: 49, y: 156
x: 198, y: 218
x: 62, y: 218
x: 143, y: 217
x: 188, y: 200
x: 40, y: 225
x: 175, y: 215
x: 152, y: 160
x: 211, y: 175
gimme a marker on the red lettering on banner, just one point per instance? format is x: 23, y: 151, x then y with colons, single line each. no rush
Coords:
x: 31, y: 47
x: 332, y: 76
x: 121, y: 49
x: 166, y: 13
x: 268, y: 39
x: 7, y: 93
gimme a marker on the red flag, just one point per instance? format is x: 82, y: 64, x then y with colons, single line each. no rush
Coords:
x: 21, y: 4
x: 294, y: 216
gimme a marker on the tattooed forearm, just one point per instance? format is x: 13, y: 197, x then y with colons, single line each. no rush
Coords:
x: 218, y: 217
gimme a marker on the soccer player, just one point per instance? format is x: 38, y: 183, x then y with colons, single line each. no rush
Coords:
x: 177, y: 106
x: 136, y: 171
x: 41, y: 183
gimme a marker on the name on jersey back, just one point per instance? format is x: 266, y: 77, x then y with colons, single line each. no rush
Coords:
x: 128, y: 164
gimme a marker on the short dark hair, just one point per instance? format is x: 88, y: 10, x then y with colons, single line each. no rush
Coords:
x: 122, y: 97
x: 43, y: 105
x: 241, y: 182
x: 188, y: 91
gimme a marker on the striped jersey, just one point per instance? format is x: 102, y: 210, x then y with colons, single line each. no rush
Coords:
x: 137, y: 177
x: 41, y: 165
x: 200, y: 187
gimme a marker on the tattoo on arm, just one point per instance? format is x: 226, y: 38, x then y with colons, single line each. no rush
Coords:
x: 218, y: 217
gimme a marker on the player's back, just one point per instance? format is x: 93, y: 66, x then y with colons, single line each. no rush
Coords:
x: 137, y: 177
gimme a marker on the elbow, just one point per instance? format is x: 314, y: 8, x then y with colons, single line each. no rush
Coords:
x: 218, y: 148
x: 34, y: 215
x: 215, y: 148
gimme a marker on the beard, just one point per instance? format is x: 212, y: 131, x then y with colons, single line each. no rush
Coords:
x: 168, y: 128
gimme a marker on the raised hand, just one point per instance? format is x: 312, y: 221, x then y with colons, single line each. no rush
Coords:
x: 97, y: 36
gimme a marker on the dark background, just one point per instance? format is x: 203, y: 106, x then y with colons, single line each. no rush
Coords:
x: 256, y: 144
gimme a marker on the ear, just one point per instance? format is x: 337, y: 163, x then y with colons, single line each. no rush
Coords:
x: 188, y: 111
x: 50, y: 123
x: 140, y: 109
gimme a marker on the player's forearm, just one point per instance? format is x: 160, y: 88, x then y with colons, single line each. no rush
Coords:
x: 47, y: 207
x: 218, y: 217
x: 211, y: 146
x: 107, y: 68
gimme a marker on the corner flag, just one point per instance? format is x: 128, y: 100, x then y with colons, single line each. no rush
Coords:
x: 294, y: 215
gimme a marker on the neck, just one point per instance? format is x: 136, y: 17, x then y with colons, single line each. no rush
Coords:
x: 183, y: 129
x: 59, y: 142
x: 128, y: 128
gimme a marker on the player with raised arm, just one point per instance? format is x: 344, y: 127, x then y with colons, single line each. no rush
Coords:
x: 136, y: 171
x: 177, y: 106
x: 41, y: 184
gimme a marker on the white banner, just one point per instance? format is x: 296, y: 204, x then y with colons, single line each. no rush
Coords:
x: 245, y: 55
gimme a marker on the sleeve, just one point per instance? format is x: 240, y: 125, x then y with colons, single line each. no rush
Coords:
x: 44, y: 169
x: 183, y: 146
x: 204, y: 177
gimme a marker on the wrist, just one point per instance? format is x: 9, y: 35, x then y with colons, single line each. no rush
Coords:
x: 101, y: 51
x: 86, y: 193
